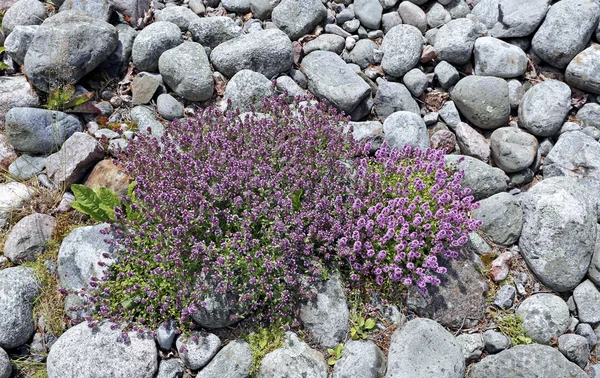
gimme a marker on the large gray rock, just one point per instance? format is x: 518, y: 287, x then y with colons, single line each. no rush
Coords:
x: 19, y: 287
x: 5, y: 365
x: 171, y: 368
x: 29, y: 237
x: 327, y: 316
x: 587, y: 299
x: 23, y: 12
x: 438, y: 16
x: 557, y: 41
x: 212, y: 31
x: 544, y: 316
x: 559, y: 232
x: 218, y: 311
x: 13, y: 196
x: 83, y: 352
x: 168, y: 107
x: 268, y: 52
x: 238, y: 6
x: 405, y: 128
x: 198, y: 353
x: 575, y: 348
x: 76, y: 157
x: 416, y: 82
x: 513, y: 150
x: 511, y: 18
x: 472, y: 143
x: 100, y: 9
x: 423, y: 348
x: 79, y: 255
x: 133, y: 8
x: 186, y: 70
x: 146, y: 120
x: 66, y: 47
x: 152, y: 41
x: 401, y: 48
x: 118, y: 61
x: 575, y: 154
x: 331, y: 78
x: 233, y: 361
x: 502, y: 218
x: 295, y: 359
x: 16, y: 92
x: 18, y: 42
x: 298, y: 17
x: 39, y: 130
x: 454, y: 41
x: 589, y: 115
x: 333, y: 43
x: 247, y: 88
x: 412, y: 14
x: 483, y: 100
x: 582, y: 71
x: 544, y: 107
x: 494, y: 57
x: 360, y: 358
x: 459, y: 301
x: 369, y: 13
x: 27, y: 166
x: 392, y: 97
x: 533, y: 360
x: 180, y: 16
x: 363, y: 53
x: 483, y: 180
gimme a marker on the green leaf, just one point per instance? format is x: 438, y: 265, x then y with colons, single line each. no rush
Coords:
x: 87, y: 202
x: 331, y: 361
x: 108, y: 197
x: 262, y: 343
x: 2, y: 49
x: 79, y: 99
x: 370, y: 323
x: 3, y: 66
x: 361, y: 322
x: 297, y: 199
x: 127, y: 304
x: 338, y: 349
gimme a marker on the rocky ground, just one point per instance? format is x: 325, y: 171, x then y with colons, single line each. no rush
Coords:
x: 514, y: 86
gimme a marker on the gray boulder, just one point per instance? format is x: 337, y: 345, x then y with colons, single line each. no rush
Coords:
x: 79, y: 254
x: 559, y: 232
x: 502, y: 218
x: 233, y: 361
x: 484, y: 181
x: 511, y: 18
x: 39, y: 130
x: 363, y: 53
x: 587, y: 299
x: 327, y: 316
x: 18, y: 42
x: 171, y: 368
x: 27, y: 166
x: 268, y: 52
x: 513, y: 150
x: 298, y: 17
x: 152, y: 41
x: 247, y: 88
x: 212, y: 31
x: 495, y: 342
x: 401, y: 48
x: 118, y: 61
x: 23, y: 12
x: 238, y: 6
x: 412, y: 14
x: 146, y: 120
x: 369, y: 13
x: 181, y: 16
x: 455, y: 40
x: 198, y: 353
x: 423, y: 348
x: 331, y: 42
x: 446, y: 74
x: 331, y: 78
x: 295, y: 359
x: 575, y: 348
x: 100, y: 352
x: 589, y: 115
x: 100, y: 9
x: 5, y: 365
x: 438, y: 16
x: 76, y: 157
x: 544, y: 316
x: 186, y: 70
x: 168, y: 107
x: 66, y: 47
x: 557, y: 41
x: 29, y: 237
x: 416, y: 82
x: 483, y: 100
x: 575, y: 154
x: 16, y: 92
x: 544, y: 107
x: 405, y: 128
x: 531, y: 360
x: 472, y: 143
x: 582, y: 70
x: 392, y: 97
x: 360, y: 358
x: 133, y: 8
x: 13, y: 195
x: 471, y: 344
x: 19, y: 287
x: 494, y: 57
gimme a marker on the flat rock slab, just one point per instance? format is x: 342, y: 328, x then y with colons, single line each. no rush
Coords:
x: 331, y: 78
x: 298, y: 17
x: 83, y: 352
x: 29, y: 237
x: 511, y: 18
x: 77, y: 156
x: 233, y: 361
x: 527, y: 361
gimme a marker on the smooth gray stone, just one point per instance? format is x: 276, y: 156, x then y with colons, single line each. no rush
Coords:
x: 261, y: 9
x: 212, y: 31
x: 152, y: 41
x: 389, y: 20
x: 168, y: 107
x: 544, y: 107
x: 247, y: 88
x: 483, y: 180
x: 23, y: 12
x: 233, y: 361
x: 575, y: 154
x: 446, y: 74
x: 186, y: 70
x: 471, y: 344
x: 455, y: 40
x: 438, y: 16
x: 589, y: 115
x: 26, y: 166
x: 392, y: 97
x: 5, y: 365
x: 147, y: 121
x: 298, y: 17
x: 416, y: 82
x: 544, y: 316
x: 495, y: 342
x: 412, y: 14
x: 511, y: 18
x: 237, y: 6
x: 100, y: 9
x: 363, y: 53
x: 18, y: 42
x: 405, y: 128
x: 471, y: 142
x: 582, y: 71
x: 502, y: 218
x: 360, y: 358
x: 575, y: 348
x: 369, y: 13
x: 198, y: 353
x: 295, y: 359
x: 326, y: 42
x: 587, y: 299
x: 16, y: 92
x: 483, y: 100
x: 494, y: 57
x: 29, y: 237
x: 513, y: 150
x: 268, y: 52
x: 171, y: 368
x: 181, y: 16
x: 401, y: 48
x: 134, y: 8
x: 557, y: 41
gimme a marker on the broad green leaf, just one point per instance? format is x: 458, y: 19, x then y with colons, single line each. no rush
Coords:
x: 87, y: 202
x: 262, y: 343
x: 331, y: 361
x: 330, y: 351
x: 3, y: 66
x: 361, y: 322
x: 370, y: 323
x: 79, y: 99
x: 297, y: 200
x: 108, y: 197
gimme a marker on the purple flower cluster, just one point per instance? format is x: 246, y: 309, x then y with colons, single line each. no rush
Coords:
x: 408, y: 209
x: 255, y: 207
